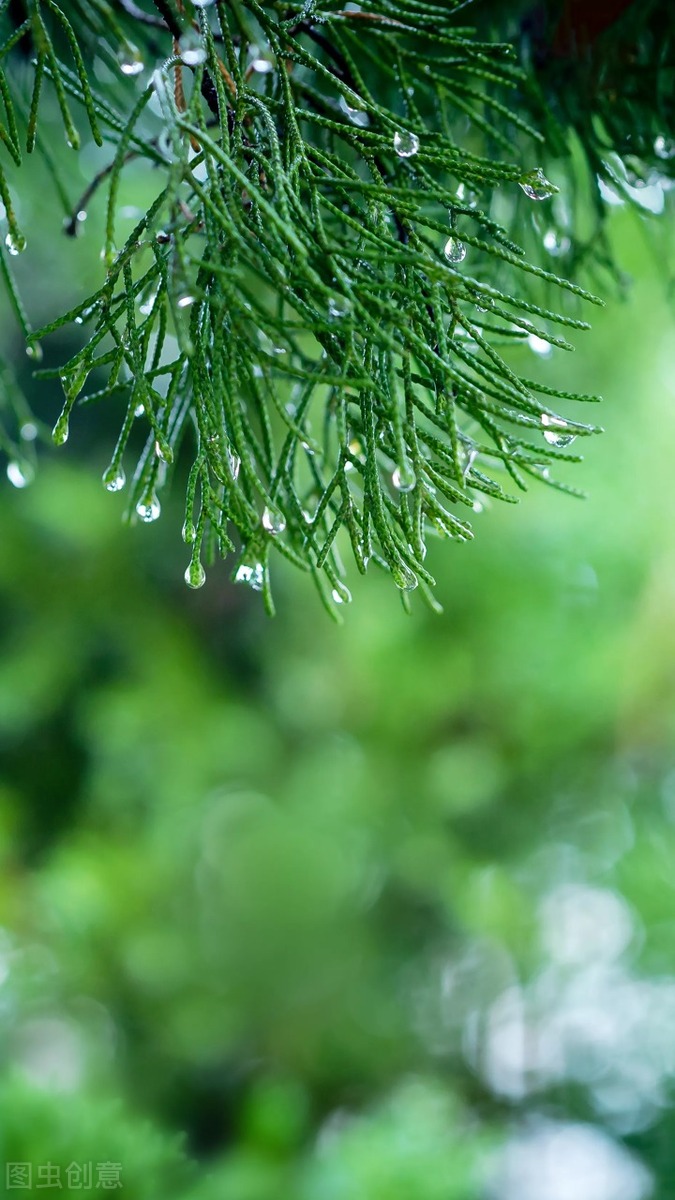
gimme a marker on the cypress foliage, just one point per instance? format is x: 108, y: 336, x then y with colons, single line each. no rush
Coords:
x: 354, y: 231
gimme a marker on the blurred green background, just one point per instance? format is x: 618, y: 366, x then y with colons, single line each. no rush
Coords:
x: 385, y: 912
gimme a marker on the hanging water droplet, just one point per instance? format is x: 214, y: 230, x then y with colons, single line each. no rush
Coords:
x: 406, y: 144
x: 664, y: 147
x: 471, y: 456
x: 556, y: 244
x: 73, y: 139
x: 273, y: 521
x: 357, y: 116
x: 536, y: 186
x: 34, y: 351
x: 114, y: 478
x: 552, y: 434
x: 251, y: 573
x: 192, y: 49
x: 15, y: 243
x: 195, y: 576
x: 404, y: 577
x: 262, y: 66
x: 454, y: 250
x: 338, y: 307
x: 28, y: 431
x: 234, y: 463
x: 163, y: 451
x: 341, y: 594
x: 478, y: 506
x: 539, y: 345
x: 130, y: 60
x: 188, y: 532
x: 61, y: 430
x: 147, y: 306
x: 149, y: 508
x: 139, y: 410
x: 19, y: 474
x: 185, y: 300
x: 404, y: 478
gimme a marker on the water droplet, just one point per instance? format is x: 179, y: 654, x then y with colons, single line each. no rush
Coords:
x: 262, y: 66
x: 114, y: 478
x: 404, y: 478
x: 536, y: 186
x: 139, y: 410
x: 357, y: 116
x: 251, y: 573
x: 478, y: 506
x: 34, y: 351
x: 553, y: 424
x: 147, y: 306
x: 149, y: 508
x: 192, y: 49
x: 15, y: 243
x: 471, y: 456
x: 454, y: 250
x: 73, y: 139
x: 130, y: 60
x: 163, y: 451
x: 19, y: 474
x: 555, y: 243
x: 273, y: 521
x: 185, y: 301
x: 29, y: 431
x: 61, y: 430
x: 195, y: 576
x: 406, y: 144
x: 234, y: 463
x: 338, y: 307
x: 404, y: 577
x: 664, y: 147
x: 539, y: 345
x: 188, y: 532
x: 341, y: 594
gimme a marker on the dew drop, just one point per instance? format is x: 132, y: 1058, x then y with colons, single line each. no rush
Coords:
x: 15, y: 243
x: 341, y: 594
x: 188, y: 532
x: 273, y: 521
x: 404, y: 577
x: 114, y: 479
x: 664, y: 147
x: 163, y: 451
x: 234, y: 463
x: 149, y: 508
x: 357, y: 116
x: 406, y: 144
x: 60, y: 431
x: 338, y: 307
x: 536, y: 186
x: 195, y: 576
x: 552, y: 434
x: 185, y: 300
x: 19, y: 474
x: 454, y: 250
x: 34, y: 351
x: 147, y: 306
x: 252, y: 574
x: 192, y: 50
x: 139, y: 410
x: 556, y: 244
x: 262, y: 66
x: 29, y: 431
x: 404, y: 478
x: 130, y: 60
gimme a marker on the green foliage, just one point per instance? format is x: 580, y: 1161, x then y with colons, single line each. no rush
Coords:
x: 322, y: 310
